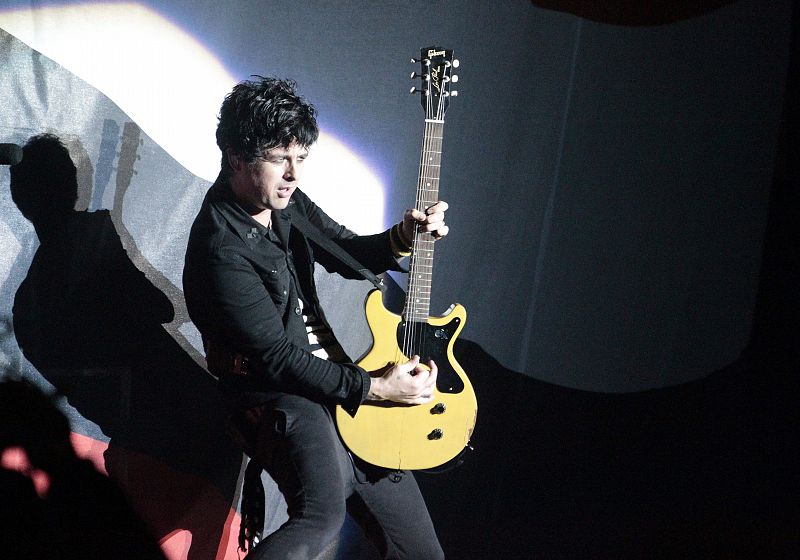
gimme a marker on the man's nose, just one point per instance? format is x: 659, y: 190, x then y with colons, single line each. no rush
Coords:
x: 291, y: 171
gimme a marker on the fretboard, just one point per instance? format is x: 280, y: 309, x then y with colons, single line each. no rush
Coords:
x: 421, y: 269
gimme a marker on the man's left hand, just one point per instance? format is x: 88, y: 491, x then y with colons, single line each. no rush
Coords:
x: 430, y: 220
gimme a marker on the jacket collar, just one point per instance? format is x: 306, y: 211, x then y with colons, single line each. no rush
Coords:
x: 251, y: 232
x: 282, y: 224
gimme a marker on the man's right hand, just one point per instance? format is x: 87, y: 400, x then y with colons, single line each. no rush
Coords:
x: 407, y: 383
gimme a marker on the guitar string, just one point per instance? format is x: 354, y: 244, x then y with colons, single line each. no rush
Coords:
x: 423, y: 272
x: 434, y: 152
x: 409, y: 309
x: 410, y: 335
x: 428, y: 196
x: 413, y: 289
x: 414, y: 339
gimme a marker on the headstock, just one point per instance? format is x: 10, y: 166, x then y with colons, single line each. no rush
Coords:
x: 436, y: 65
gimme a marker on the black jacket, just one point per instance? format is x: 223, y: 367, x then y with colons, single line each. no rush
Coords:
x: 241, y: 285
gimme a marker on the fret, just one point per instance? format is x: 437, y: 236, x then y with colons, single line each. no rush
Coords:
x: 421, y: 267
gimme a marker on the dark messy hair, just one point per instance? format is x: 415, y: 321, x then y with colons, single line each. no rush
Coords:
x: 261, y: 114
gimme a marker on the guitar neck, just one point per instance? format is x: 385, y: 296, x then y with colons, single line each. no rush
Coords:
x: 436, y: 64
x: 420, y: 274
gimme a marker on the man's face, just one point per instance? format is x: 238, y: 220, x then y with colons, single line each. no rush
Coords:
x: 268, y: 182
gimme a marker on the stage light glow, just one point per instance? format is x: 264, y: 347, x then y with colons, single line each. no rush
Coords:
x: 339, y: 182
x: 158, y: 74
x: 171, y: 85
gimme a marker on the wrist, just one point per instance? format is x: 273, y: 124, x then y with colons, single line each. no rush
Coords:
x: 400, y: 246
x: 406, y: 239
x: 374, y: 389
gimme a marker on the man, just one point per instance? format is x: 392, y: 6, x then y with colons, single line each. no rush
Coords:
x: 249, y: 287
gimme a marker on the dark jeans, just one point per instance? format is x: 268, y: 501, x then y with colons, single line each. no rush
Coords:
x: 297, y: 443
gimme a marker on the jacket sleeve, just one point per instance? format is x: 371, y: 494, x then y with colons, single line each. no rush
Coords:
x: 248, y: 319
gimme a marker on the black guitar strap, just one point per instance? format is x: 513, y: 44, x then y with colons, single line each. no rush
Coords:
x: 313, y: 233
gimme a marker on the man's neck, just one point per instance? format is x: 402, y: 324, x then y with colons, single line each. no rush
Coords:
x: 264, y: 218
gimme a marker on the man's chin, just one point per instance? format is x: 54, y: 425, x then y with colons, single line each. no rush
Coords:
x: 280, y: 203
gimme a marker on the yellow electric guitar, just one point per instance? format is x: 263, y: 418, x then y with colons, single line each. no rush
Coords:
x: 430, y: 435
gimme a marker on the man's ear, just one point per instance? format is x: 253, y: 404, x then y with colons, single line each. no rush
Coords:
x: 234, y: 160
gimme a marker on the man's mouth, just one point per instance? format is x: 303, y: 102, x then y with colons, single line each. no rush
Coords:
x: 285, y: 192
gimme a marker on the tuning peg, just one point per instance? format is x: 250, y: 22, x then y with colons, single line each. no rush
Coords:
x: 454, y: 93
x: 454, y: 78
x: 425, y: 61
x: 417, y: 90
x: 425, y: 77
x: 456, y: 63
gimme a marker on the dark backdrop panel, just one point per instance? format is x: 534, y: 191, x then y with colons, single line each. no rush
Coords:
x: 660, y: 207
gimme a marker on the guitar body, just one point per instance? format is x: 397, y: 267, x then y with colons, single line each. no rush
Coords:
x: 407, y: 436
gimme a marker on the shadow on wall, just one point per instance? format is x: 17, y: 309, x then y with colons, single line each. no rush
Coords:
x: 91, y: 324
